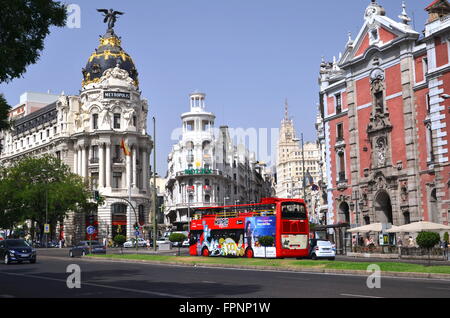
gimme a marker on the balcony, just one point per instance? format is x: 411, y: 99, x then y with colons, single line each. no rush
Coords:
x: 207, y: 189
x: 190, y: 189
x: 118, y: 160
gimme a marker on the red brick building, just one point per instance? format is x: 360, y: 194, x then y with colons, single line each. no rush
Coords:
x: 386, y: 117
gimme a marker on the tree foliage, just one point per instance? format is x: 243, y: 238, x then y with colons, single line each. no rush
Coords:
x: 24, y: 24
x: 427, y: 239
x: 4, y: 112
x: 266, y: 241
x: 39, y: 189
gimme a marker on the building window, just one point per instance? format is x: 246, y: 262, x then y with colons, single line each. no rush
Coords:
x: 428, y: 104
x: 94, y: 154
x: 134, y: 121
x: 341, y: 167
x: 94, y: 121
x: 94, y: 180
x: 340, y: 132
x: 48, y: 133
x: 116, y: 121
x: 58, y: 155
x: 338, y: 103
x: 117, y: 180
x: 207, y: 198
x: 425, y: 66
x: 141, y: 215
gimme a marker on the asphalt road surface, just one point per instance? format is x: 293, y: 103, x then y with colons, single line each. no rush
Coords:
x: 102, y: 279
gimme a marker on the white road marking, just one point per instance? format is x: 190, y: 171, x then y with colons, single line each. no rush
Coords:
x: 100, y: 285
x: 359, y: 296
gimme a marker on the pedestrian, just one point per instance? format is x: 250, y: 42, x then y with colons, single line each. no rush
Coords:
x: 63, y: 241
x: 400, y: 242
x: 105, y: 240
x: 60, y: 243
x: 411, y: 241
x: 148, y: 244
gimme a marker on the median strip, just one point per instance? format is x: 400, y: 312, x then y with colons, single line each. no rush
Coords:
x: 328, y: 267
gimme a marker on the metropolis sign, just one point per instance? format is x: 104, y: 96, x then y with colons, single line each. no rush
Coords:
x: 117, y: 95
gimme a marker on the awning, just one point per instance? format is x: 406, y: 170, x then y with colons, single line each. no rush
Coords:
x: 419, y: 227
x: 374, y: 227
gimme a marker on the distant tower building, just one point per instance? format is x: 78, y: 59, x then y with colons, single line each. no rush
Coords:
x: 294, y: 165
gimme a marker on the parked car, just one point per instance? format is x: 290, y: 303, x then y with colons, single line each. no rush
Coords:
x: 17, y: 251
x: 132, y: 243
x: 87, y: 247
x: 321, y: 249
x: 162, y: 240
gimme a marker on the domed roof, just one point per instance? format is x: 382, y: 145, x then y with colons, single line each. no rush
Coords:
x: 108, y: 55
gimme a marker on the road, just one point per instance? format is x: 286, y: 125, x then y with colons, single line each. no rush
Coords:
x: 103, y: 279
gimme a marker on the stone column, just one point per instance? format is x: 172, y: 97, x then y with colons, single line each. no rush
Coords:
x: 144, y: 166
x: 83, y: 161
x: 128, y: 171
x: 134, y: 159
x: 101, y: 166
x: 75, y: 160
x: 108, y: 165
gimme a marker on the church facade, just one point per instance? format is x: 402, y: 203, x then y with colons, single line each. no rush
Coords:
x: 385, y: 119
x: 88, y: 133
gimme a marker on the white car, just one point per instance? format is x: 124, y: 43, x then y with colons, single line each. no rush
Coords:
x: 321, y: 249
x: 131, y: 243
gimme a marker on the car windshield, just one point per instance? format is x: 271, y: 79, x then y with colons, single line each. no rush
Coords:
x: 17, y: 243
x: 293, y: 211
x: 324, y: 243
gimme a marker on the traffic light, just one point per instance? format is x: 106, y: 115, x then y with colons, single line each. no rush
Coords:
x: 96, y: 196
x: 136, y: 226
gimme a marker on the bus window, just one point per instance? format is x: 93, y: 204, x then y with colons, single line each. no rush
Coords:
x: 293, y: 211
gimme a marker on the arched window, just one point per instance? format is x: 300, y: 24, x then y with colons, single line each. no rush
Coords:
x: 141, y: 214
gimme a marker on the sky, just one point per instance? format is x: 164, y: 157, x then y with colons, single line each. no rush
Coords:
x: 247, y: 56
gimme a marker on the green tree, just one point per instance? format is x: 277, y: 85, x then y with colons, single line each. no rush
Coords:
x: 266, y: 241
x: 40, y: 189
x: 446, y: 237
x: 120, y: 240
x: 4, y: 113
x: 24, y: 25
x: 428, y: 240
x: 177, y: 238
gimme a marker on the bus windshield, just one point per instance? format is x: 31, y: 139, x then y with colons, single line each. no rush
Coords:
x: 293, y: 211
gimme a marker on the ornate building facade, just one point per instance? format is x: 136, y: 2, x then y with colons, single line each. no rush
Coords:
x: 86, y: 132
x: 206, y: 169
x: 386, y: 121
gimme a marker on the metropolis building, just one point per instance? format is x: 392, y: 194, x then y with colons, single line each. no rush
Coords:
x: 86, y: 133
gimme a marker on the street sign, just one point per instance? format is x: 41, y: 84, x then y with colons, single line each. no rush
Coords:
x: 47, y: 228
x: 90, y: 230
x: 137, y: 233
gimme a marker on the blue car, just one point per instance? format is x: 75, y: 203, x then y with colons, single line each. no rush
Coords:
x: 87, y: 247
x: 17, y: 251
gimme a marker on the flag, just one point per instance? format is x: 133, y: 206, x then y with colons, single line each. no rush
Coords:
x: 125, y: 148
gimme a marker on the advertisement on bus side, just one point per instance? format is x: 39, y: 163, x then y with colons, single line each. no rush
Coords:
x: 257, y: 227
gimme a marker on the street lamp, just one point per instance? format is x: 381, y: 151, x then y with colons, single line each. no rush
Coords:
x: 48, y: 180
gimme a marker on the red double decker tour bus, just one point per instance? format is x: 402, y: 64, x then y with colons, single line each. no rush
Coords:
x: 235, y: 231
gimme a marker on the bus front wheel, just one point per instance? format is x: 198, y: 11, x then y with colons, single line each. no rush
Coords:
x: 205, y: 252
x: 249, y: 253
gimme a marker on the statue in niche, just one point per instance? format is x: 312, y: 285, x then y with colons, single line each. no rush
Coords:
x: 105, y: 116
x: 128, y: 116
x: 381, y: 152
x: 77, y: 121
